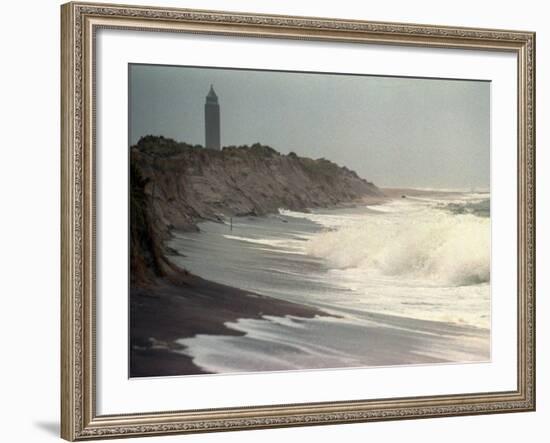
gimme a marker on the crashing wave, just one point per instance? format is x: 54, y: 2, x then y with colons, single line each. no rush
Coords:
x: 434, y: 246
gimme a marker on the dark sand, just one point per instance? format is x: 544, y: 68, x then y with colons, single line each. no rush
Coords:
x: 165, y: 312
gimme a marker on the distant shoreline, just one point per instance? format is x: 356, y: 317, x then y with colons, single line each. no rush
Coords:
x: 418, y: 192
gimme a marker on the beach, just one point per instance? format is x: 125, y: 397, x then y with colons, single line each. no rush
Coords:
x: 385, y: 284
x: 166, y: 311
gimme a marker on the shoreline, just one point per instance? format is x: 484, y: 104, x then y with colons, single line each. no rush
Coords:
x: 165, y: 311
x: 177, y: 305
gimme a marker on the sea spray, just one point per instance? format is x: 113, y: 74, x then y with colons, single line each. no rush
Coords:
x: 433, y: 246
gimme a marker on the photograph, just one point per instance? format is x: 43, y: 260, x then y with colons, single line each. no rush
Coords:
x: 286, y: 220
x: 290, y: 217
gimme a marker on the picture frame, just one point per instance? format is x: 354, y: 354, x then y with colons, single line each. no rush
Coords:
x: 80, y: 23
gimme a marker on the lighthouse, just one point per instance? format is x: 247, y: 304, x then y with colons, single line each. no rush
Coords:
x: 212, y: 120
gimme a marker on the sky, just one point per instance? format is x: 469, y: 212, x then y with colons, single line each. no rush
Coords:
x: 393, y: 131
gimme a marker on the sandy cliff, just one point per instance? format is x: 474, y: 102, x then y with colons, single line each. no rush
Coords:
x: 187, y: 184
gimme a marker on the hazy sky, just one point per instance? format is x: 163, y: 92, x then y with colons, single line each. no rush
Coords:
x: 392, y: 131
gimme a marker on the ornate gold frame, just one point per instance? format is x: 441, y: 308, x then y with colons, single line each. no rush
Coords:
x: 79, y: 420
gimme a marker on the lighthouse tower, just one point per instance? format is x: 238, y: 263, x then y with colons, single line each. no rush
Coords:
x: 212, y: 120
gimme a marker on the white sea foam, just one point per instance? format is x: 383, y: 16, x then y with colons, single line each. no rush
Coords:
x: 444, y: 248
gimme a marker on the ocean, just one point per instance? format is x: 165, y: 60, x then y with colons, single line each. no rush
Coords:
x: 404, y: 282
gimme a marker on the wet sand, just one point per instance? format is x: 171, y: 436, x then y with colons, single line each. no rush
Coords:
x: 165, y: 312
